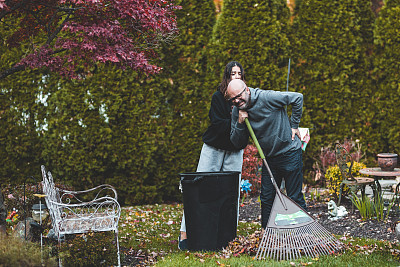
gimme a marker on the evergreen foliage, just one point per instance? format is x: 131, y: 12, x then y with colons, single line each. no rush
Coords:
x: 139, y: 132
x: 134, y: 132
x: 389, y: 4
x: 387, y: 75
x: 185, y: 97
x: 21, y: 115
x: 330, y: 40
x: 253, y: 32
x: 102, y: 130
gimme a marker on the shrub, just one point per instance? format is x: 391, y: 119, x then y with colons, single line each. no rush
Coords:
x: 91, y: 249
x: 15, y: 252
x: 334, y: 178
x: 383, y: 107
x: 327, y: 158
x: 264, y: 54
x: 329, y: 60
x: 251, y: 169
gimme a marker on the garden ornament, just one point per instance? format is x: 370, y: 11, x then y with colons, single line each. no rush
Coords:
x: 332, y: 208
x: 245, y: 186
x: 336, y: 212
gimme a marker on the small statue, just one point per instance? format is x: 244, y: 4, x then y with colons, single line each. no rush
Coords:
x: 336, y: 212
x: 332, y: 208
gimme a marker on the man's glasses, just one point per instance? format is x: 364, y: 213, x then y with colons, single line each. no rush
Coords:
x: 237, y: 96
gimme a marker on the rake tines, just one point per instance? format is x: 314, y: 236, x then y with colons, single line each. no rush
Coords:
x: 310, y: 240
x: 291, y: 232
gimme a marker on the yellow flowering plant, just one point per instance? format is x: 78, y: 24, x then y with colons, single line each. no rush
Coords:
x: 334, y: 178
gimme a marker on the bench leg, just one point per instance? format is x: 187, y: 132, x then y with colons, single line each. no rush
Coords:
x: 59, y: 252
x: 117, y: 242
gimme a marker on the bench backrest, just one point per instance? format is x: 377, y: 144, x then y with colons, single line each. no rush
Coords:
x: 52, y: 195
x: 100, y: 214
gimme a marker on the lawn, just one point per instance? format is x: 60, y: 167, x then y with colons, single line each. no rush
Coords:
x: 150, y: 234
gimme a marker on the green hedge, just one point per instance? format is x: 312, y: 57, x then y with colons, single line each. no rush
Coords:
x: 135, y: 132
x: 138, y: 133
x: 255, y: 34
x: 387, y: 77
x: 330, y: 44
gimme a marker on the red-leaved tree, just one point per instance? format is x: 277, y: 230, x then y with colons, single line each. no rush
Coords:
x: 71, y: 36
x: 61, y: 35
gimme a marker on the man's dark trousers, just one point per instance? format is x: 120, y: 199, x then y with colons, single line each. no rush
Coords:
x: 288, y: 166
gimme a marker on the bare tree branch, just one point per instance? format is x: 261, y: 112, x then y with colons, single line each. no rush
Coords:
x: 11, y: 70
x: 5, y: 12
x: 59, y: 28
x: 17, y: 68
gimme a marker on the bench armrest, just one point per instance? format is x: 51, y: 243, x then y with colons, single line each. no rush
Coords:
x: 104, y: 205
x: 104, y: 190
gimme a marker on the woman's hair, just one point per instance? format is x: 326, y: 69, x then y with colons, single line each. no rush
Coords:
x: 227, y: 75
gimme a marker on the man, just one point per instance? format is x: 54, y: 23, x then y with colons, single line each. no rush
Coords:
x: 278, y: 136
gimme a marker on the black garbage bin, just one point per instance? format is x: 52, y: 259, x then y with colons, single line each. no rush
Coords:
x: 210, y: 201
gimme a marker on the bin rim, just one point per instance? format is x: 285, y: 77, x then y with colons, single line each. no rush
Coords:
x: 210, y: 173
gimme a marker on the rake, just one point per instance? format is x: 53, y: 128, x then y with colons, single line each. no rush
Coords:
x: 291, y: 232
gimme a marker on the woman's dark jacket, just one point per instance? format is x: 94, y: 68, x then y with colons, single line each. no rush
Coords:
x: 218, y: 133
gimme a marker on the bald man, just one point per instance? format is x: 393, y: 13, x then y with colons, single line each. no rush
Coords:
x: 279, y: 137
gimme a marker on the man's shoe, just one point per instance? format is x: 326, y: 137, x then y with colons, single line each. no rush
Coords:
x: 182, y: 245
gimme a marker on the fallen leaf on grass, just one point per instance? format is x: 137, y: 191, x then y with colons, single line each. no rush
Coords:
x: 219, y: 264
x: 243, y: 245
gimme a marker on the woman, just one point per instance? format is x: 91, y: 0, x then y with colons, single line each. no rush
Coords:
x: 218, y: 153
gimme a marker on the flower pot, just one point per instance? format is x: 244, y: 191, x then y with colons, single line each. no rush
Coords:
x: 387, y: 161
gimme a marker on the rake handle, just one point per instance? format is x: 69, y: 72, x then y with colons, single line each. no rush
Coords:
x: 253, y: 136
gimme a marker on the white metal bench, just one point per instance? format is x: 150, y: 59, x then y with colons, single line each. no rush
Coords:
x: 70, y: 214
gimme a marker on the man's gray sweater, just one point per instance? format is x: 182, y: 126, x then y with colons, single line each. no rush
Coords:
x: 270, y: 122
